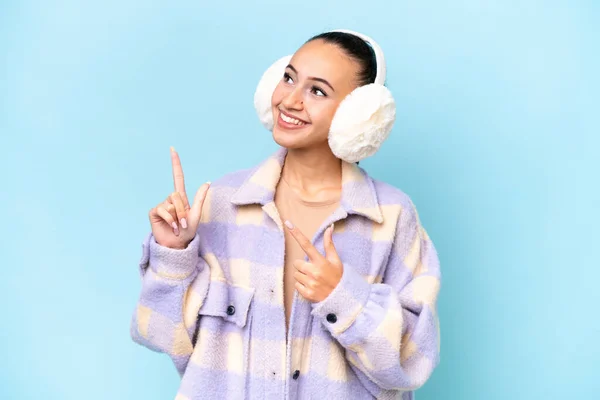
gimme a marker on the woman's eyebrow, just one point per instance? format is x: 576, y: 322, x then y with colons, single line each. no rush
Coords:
x: 290, y: 66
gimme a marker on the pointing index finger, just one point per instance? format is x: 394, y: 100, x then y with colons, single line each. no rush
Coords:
x: 178, y: 175
x: 310, y: 250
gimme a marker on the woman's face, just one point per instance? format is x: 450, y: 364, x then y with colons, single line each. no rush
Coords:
x: 320, y: 75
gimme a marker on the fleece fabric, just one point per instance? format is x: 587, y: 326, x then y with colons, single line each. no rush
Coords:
x: 216, y: 308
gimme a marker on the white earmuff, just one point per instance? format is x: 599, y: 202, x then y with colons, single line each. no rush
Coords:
x: 363, y: 120
x: 264, y: 91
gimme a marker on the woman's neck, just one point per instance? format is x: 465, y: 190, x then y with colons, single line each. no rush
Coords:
x: 314, y: 173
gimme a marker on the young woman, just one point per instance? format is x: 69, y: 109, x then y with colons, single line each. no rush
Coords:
x: 302, y: 277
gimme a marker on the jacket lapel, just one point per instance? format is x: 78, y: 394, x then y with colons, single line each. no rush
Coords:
x: 358, y: 191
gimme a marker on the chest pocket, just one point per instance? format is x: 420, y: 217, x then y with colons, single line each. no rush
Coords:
x: 222, y: 337
x: 230, y: 302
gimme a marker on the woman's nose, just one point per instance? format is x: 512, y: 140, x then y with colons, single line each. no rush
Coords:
x: 293, y: 100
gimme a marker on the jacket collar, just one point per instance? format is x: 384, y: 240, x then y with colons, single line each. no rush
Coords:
x: 358, y: 191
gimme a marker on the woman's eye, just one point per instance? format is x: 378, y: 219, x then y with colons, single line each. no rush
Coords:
x: 318, y: 91
x: 287, y: 78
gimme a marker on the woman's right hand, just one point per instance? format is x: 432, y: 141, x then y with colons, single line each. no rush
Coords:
x: 174, y: 223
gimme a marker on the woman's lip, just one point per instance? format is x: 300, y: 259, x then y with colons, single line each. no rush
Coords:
x: 287, y: 125
x: 291, y: 116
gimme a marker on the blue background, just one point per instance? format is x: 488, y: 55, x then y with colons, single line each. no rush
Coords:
x: 496, y: 142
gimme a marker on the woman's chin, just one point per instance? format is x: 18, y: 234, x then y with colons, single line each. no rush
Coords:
x: 290, y: 140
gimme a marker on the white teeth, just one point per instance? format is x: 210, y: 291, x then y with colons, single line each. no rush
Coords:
x: 291, y: 120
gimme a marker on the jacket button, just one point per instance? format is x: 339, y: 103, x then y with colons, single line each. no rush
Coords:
x: 331, y: 318
x: 296, y: 374
x: 230, y: 310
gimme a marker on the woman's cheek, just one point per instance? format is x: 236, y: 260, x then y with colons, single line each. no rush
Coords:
x: 324, y: 115
x: 276, y: 97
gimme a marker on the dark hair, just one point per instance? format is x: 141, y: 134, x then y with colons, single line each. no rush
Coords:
x: 357, y: 49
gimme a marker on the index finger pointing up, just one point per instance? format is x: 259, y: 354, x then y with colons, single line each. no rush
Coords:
x: 178, y: 176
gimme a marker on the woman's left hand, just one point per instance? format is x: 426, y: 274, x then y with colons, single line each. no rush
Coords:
x: 317, y: 278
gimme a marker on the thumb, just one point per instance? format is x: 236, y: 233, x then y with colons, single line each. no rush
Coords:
x: 196, y: 211
x: 330, y: 251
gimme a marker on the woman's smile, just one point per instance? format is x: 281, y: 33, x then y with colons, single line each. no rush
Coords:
x: 286, y: 121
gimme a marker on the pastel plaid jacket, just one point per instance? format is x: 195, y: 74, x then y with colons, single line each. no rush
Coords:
x: 217, y: 307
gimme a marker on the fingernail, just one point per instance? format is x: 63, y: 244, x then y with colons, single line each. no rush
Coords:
x: 289, y: 225
x: 183, y: 223
x: 175, y: 228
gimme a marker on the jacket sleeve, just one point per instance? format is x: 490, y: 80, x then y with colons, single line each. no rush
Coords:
x: 174, y: 286
x: 390, y: 330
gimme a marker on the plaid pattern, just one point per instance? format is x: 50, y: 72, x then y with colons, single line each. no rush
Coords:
x: 217, y: 307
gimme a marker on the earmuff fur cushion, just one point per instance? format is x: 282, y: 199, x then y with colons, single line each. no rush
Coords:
x: 265, y: 89
x: 362, y: 122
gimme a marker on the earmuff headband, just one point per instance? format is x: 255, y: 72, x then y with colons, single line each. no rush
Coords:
x: 379, y: 58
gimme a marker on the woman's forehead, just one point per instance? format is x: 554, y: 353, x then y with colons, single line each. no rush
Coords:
x: 324, y: 60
